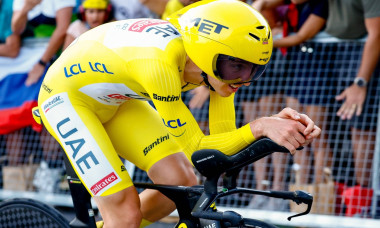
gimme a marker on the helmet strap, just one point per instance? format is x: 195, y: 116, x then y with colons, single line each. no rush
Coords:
x: 205, y: 79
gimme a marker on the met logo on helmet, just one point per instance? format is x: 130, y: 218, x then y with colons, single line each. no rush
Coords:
x: 207, y: 27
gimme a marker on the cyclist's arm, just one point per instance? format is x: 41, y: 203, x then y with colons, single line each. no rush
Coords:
x: 165, y: 91
x: 221, y: 113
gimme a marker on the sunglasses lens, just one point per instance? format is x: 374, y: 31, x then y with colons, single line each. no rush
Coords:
x: 234, y: 70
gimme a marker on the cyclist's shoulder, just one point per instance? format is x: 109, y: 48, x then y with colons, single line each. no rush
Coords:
x: 143, y: 33
x: 136, y: 38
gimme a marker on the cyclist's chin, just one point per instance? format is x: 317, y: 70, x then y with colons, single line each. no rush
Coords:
x: 225, y: 91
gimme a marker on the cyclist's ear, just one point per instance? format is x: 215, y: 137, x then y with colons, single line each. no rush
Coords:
x: 36, y: 115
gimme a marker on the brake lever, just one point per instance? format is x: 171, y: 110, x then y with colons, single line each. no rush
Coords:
x: 302, y: 197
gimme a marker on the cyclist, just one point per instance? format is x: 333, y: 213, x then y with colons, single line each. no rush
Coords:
x: 92, y: 101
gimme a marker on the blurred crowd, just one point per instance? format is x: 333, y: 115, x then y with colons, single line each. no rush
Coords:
x: 311, y: 77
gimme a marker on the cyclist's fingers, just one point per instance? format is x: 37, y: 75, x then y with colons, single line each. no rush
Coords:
x: 299, y: 136
x: 293, y: 143
x: 315, y: 133
x: 285, y: 140
x: 309, y: 123
x: 288, y: 146
x: 300, y: 127
x: 308, y: 141
x: 291, y: 148
x: 293, y: 135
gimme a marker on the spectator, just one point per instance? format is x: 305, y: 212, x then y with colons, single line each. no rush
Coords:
x: 355, y: 19
x: 42, y: 18
x: 273, y: 11
x: 155, y: 6
x: 314, y: 100
x: 304, y: 19
x: 9, y: 43
x: 310, y: 89
x: 11, y: 46
x: 132, y: 9
x: 91, y: 13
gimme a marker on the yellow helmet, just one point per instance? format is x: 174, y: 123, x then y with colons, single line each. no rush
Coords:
x: 95, y: 4
x: 224, y: 28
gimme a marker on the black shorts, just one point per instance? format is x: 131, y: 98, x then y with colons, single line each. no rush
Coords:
x: 309, y: 73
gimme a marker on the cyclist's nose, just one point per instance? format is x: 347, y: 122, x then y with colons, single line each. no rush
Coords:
x: 245, y: 75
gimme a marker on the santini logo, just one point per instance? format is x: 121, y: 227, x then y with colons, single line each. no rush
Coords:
x: 168, y: 98
x: 155, y: 143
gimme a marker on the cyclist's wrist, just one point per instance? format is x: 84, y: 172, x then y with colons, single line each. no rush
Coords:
x: 257, y: 128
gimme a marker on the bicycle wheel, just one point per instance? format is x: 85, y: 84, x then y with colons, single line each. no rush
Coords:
x: 253, y: 223
x: 20, y: 213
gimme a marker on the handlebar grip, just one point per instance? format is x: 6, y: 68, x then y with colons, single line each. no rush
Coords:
x: 273, y: 145
x: 257, y: 150
x: 211, y: 162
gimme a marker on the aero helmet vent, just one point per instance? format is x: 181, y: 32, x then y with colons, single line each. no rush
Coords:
x: 260, y: 27
x: 254, y: 36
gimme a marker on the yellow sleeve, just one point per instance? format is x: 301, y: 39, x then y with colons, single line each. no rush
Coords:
x: 222, y: 124
x: 229, y: 142
x: 162, y: 82
x: 221, y: 113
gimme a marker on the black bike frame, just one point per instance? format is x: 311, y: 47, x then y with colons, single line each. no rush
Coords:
x: 196, y: 204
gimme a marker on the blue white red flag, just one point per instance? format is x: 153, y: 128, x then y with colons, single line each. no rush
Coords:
x: 17, y: 99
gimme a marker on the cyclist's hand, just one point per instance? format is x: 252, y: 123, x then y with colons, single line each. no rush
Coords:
x: 284, y: 131
x: 311, y: 131
x: 287, y: 128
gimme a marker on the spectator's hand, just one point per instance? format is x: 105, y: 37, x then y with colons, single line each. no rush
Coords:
x: 287, y: 128
x: 200, y: 95
x: 35, y: 74
x: 30, y: 4
x: 354, y: 97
